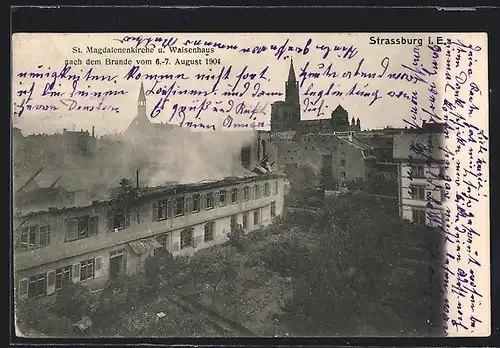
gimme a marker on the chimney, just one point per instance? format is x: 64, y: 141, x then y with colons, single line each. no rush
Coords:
x: 92, y: 131
x: 137, y: 178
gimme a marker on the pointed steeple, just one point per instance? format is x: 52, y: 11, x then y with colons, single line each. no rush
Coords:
x: 141, y: 102
x: 291, y: 73
x: 292, y: 88
x: 142, y: 95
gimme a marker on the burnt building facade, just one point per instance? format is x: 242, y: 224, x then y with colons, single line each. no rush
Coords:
x: 94, y: 243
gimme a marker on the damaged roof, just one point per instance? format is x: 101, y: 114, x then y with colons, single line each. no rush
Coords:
x: 144, y: 192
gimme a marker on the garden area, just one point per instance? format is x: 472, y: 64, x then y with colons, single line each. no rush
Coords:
x: 354, y: 269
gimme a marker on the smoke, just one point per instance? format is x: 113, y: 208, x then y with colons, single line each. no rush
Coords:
x: 178, y: 156
x: 185, y: 156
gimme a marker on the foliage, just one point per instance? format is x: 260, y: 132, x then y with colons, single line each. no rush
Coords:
x: 120, y: 295
x: 73, y: 301
x: 374, y: 186
x: 160, y: 266
x: 237, y: 237
x: 30, y: 314
x: 127, y: 190
x: 356, y: 271
x: 284, y: 256
x: 217, y: 267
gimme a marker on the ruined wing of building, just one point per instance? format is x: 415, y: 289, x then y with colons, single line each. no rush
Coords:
x: 91, y: 244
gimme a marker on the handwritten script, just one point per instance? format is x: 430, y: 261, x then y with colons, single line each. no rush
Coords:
x: 219, y: 82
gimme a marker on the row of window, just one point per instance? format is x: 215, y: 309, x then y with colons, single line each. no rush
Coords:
x: 55, y: 280
x: 418, y: 192
x: 167, y: 208
x: 418, y: 171
x: 52, y: 281
x: 186, y: 235
x: 34, y: 237
x: 428, y: 217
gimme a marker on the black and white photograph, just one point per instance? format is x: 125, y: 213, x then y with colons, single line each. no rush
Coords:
x: 250, y: 185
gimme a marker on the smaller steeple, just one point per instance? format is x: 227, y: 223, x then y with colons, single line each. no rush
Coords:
x: 353, y: 122
x: 142, y: 95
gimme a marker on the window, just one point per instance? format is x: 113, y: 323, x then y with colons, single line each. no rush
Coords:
x: 186, y: 238
x: 246, y: 193
x: 342, y: 175
x: 417, y: 171
x: 161, y: 208
x: 275, y: 188
x: 417, y: 192
x: 209, y: 231
x: 256, y: 217
x: 266, y: 189
x: 234, y: 195
x: 196, y: 203
x: 418, y: 216
x: 342, y: 152
x: 33, y: 240
x: 342, y: 163
x: 37, y: 285
x: 245, y: 219
x: 210, y: 200
x: 118, y: 218
x: 63, y: 277
x: 35, y: 237
x: 256, y: 191
x: 273, y: 209
x: 179, y: 206
x: 81, y: 227
x: 86, y: 270
x: 222, y: 197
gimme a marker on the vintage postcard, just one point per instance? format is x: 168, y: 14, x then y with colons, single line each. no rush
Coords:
x: 250, y: 185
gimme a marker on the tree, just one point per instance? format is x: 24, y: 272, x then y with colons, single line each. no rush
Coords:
x: 162, y: 268
x: 217, y: 267
x: 237, y: 237
x: 31, y: 314
x: 119, y: 296
x: 74, y: 301
x: 284, y: 256
x: 362, y: 270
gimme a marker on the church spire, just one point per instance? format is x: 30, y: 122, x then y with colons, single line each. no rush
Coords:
x: 141, y: 102
x: 291, y: 73
x: 292, y: 88
x: 142, y: 95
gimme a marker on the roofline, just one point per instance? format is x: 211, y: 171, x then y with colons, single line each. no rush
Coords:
x: 174, y: 189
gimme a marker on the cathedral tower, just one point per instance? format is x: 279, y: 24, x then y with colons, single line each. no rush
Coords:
x: 285, y: 115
